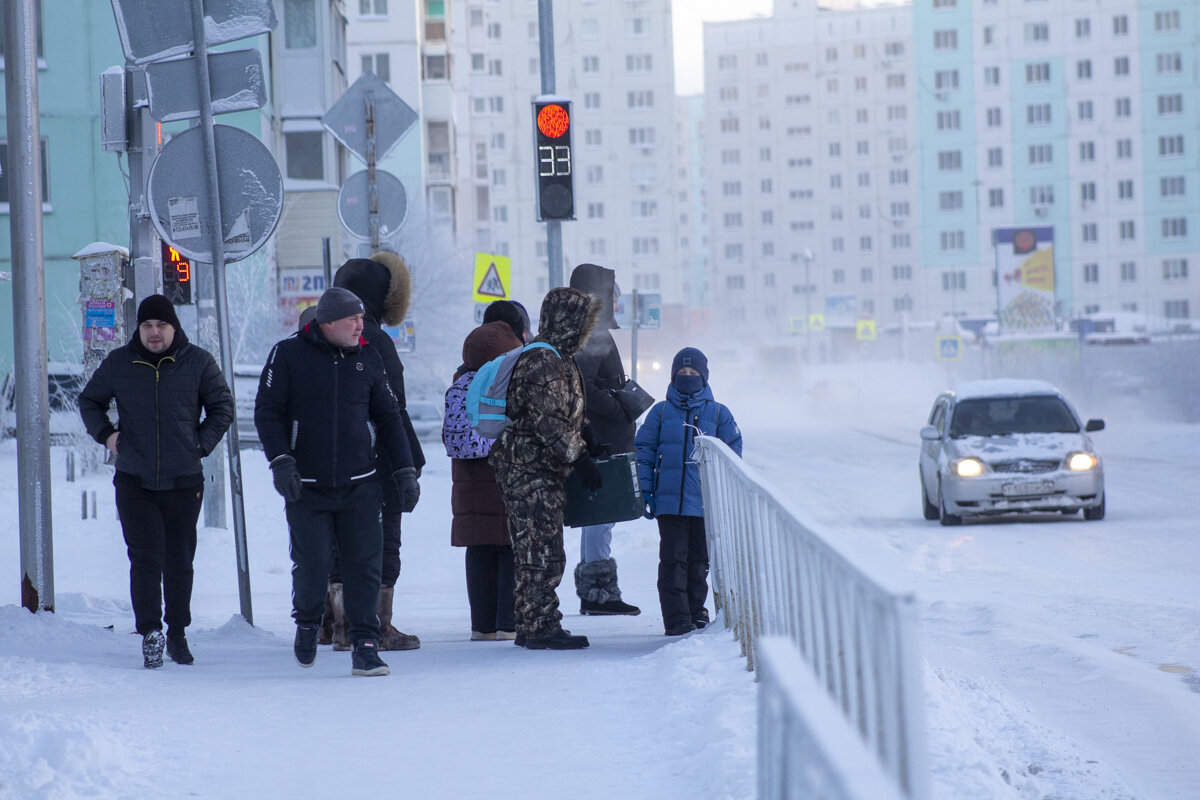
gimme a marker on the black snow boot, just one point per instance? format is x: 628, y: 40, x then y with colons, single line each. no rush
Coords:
x: 599, y: 595
x: 305, y: 646
x: 559, y: 640
x: 680, y: 628
x: 152, y: 649
x: 177, y: 650
x: 365, y: 659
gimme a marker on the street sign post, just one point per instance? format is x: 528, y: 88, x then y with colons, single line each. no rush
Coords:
x: 346, y: 119
x: 153, y: 30
x: 353, y: 205
x: 493, y: 278
x: 236, y: 77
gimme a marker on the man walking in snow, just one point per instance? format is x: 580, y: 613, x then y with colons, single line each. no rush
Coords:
x: 323, y: 398
x: 161, y: 383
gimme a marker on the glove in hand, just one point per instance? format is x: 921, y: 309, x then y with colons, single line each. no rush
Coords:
x: 286, y: 478
x: 589, y: 474
x: 648, y: 508
x: 410, y: 490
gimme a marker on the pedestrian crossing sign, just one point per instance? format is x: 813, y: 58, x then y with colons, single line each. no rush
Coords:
x: 949, y: 348
x: 816, y: 322
x: 864, y: 330
x: 493, y: 278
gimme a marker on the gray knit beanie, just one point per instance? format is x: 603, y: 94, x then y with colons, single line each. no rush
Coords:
x: 337, y: 303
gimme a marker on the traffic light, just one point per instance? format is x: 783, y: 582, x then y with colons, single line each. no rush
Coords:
x: 177, y: 276
x: 555, y: 172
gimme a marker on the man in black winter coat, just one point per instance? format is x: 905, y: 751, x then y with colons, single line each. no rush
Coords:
x: 161, y: 384
x: 611, y: 430
x: 384, y: 285
x: 323, y: 398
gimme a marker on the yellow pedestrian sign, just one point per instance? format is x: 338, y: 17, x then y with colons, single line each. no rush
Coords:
x: 493, y: 277
x: 796, y: 324
x: 864, y: 330
x: 816, y: 322
x: 949, y: 348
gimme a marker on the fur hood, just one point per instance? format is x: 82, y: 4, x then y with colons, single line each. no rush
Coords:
x: 568, y: 318
x: 382, y: 282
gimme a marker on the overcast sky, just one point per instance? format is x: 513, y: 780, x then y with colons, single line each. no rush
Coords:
x: 689, y: 16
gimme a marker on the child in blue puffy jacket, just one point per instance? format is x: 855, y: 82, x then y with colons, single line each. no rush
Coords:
x: 670, y: 485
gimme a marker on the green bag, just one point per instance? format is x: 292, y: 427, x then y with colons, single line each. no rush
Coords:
x: 618, y: 500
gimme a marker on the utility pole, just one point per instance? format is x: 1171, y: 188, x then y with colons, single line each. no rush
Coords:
x: 29, y: 304
x: 554, y: 247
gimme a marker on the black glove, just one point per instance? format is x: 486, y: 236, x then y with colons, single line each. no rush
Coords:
x: 595, y: 448
x: 588, y: 473
x: 286, y: 478
x: 410, y: 490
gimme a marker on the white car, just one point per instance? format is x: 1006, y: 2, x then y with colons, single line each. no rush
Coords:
x: 65, y: 382
x: 1008, y: 446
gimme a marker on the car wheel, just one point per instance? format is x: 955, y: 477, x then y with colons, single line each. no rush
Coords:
x: 1095, y: 512
x: 945, y: 518
x: 928, y: 508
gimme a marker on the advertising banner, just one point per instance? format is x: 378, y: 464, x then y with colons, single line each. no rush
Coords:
x: 1025, y: 279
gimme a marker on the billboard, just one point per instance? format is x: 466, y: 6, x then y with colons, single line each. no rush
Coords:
x: 1025, y: 279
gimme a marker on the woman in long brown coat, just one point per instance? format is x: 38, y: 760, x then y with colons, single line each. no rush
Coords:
x: 479, y: 522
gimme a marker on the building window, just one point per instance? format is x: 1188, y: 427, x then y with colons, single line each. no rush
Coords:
x: 1089, y: 232
x: 864, y: 243
x: 1128, y: 271
x: 945, y: 79
x: 902, y: 272
x: 1085, y: 110
x: 837, y: 244
x: 1041, y: 195
x: 1174, y: 228
x: 951, y: 240
x: 1126, y: 230
x: 1170, y: 104
x: 591, y: 64
x: 950, y: 201
x: 991, y: 76
x: 954, y: 281
x: 995, y: 198
x: 642, y: 62
x: 1087, y: 192
x: 1083, y: 28
x: 593, y: 137
x: 995, y: 157
x: 1083, y: 70
x: 945, y: 40
x: 1165, y: 21
x: 1124, y: 107
x: 1037, y: 32
x: 305, y: 155
x: 1121, y: 66
x: 644, y: 137
x: 1120, y: 25
x: 372, y: 8
x: 1175, y: 309
x: 648, y: 246
x: 1041, y: 154
x: 4, y: 167
x: 901, y: 241
x: 765, y: 186
x: 1170, y: 146
x: 1168, y: 63
x: 493, y: 31
x: 1124, y: 148
x: 989, y: 34
x: 735, y: 281
x: 1125, y: 190
x: 895, y: 81
x: 950, y: 160
x: 1172, y: 186
x: 898, y: 177
x: 591, y: 101
x: 727, y: 63
x: 994, y: 118
x: 1174, y: 269
x: 1037, y: 73
x: 299, y: 24
x: 436, y: 67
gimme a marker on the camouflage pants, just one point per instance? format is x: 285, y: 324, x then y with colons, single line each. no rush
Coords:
x: 535, y: 523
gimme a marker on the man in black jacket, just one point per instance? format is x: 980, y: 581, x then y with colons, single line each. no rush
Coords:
x: 384, y: 285
x: 323, y: 398
x: 161, y: 383
x: 611, y: 431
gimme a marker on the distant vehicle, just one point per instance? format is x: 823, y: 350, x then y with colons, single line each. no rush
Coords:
x: 245, y: 389
x: 1008, y: 446
x: 426, y: 416
x: 65, y: 382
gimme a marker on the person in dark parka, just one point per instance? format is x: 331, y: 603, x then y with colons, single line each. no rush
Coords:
x: 670, y: 484
x: 611, y: 430
x: 323, y: 401
x: 479, y: 522
x: 384, y: 285
x: 173, y: 406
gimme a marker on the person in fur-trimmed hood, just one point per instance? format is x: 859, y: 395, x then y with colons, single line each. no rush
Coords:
x: 384, y: 285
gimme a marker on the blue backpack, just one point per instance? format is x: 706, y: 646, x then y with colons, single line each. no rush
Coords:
x: 487, y: 396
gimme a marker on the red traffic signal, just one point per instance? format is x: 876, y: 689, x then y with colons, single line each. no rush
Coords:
x: 555, y: 160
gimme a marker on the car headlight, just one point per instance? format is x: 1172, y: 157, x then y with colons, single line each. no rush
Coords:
x: 1081, y: 462
x: 968, y: 468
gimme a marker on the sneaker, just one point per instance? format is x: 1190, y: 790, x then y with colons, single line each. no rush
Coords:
x: 700, y: 619
x: 482, y: 636
x: 365, y: 659
x: 177, y: 650
x: 305, y: 646
x: 700, y: 624
x: 610, y: 609
x: 559, y: 640
x: 152, y: 649
x: 506, y: 636
x: 680, y: 628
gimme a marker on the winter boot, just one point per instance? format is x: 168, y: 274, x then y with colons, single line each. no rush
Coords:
x: 336, y: 597
x: 177, y: 650
x: 596, y: 585
x: 559, y: 640
x: 152, y: 649
x: 680, y: 628
x: 305, y: 646
x: 365, y: 660
x: 325, y: 634
x: 389, y: 637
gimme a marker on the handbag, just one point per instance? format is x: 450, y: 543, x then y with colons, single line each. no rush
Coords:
x: 633, y: 398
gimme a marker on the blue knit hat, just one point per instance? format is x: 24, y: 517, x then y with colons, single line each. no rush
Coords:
x: 690, y: 357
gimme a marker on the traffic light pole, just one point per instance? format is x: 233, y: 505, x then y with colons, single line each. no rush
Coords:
x: 554, y: 246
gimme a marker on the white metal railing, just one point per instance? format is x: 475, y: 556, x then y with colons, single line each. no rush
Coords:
x: 775, y: 572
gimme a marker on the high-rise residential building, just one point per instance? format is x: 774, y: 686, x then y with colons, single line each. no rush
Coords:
x: 614, y: 62
x: 811, y: 164
x: 691, y: 207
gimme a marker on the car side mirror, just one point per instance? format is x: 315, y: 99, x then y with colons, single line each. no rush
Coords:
x: 1094, y: 425
x: 930, y: 433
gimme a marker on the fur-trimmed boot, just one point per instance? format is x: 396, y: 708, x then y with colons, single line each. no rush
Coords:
x: 389, y: 637
x: 596, y: 585
x: 337, y: 601
x: 325, y: 632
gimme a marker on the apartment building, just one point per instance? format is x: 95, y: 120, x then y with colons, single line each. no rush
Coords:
x: 811, y: 156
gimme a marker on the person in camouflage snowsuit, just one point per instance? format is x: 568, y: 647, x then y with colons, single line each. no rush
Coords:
x: 533, y: 457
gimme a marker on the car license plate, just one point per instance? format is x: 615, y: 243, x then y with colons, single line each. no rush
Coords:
x: 1022, y: 489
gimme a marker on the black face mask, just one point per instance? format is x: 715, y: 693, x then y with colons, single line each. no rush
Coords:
x: 688, y: 384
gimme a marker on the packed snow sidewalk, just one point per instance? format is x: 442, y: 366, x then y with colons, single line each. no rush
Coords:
x: 635, y: 715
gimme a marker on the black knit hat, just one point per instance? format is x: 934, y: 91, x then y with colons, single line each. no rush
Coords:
x: 157, y: 306
x: 337, y: 303
x: 690, y: 357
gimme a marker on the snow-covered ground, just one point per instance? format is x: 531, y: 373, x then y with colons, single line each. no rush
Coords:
x: 1059, y: 652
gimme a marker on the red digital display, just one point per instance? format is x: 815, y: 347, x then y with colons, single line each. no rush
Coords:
x: 176, y: 275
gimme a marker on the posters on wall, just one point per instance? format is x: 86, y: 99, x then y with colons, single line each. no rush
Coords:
x: 1025, y: 279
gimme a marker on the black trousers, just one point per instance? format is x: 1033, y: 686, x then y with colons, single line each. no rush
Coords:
x: 682, y: 568
x: 391, y: 551
x: 348, y: 518
x: 490, y: 582
x: 160, y: 536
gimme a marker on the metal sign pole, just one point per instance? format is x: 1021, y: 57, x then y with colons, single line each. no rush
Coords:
x: 29, y: 304
x: 372, y: 187
x: 554, y: 246
x: 217, y: 238
x: 633, y: 339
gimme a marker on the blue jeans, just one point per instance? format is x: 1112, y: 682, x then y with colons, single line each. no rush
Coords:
x: 595, y: 542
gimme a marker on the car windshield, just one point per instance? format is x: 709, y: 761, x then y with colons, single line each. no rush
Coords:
x: 999, y: 416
